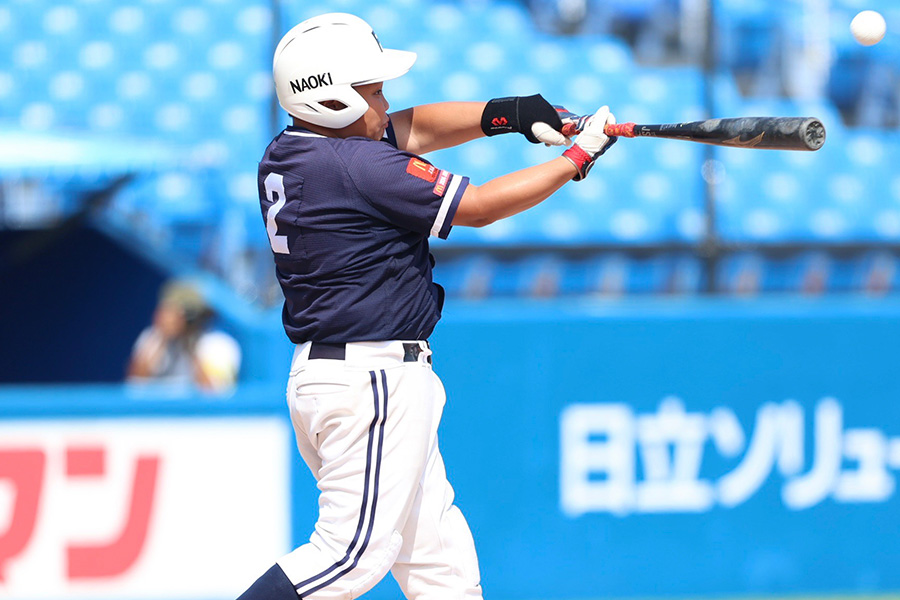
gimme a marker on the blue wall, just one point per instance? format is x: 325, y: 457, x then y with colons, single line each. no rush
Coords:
x: 512, y: 373
x: 644, y: 449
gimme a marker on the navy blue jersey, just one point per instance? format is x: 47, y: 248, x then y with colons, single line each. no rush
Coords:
x: 349, y: 221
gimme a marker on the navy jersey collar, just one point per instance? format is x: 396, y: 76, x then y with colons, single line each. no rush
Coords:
x: 389, y: 135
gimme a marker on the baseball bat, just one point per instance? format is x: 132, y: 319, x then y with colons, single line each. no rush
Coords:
x: 769, y: 133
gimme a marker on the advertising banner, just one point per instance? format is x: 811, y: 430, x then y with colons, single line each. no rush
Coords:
x: 150, y: 508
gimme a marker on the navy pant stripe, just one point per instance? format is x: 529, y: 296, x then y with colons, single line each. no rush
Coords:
x: 365, y: 497
x: 380, y: 409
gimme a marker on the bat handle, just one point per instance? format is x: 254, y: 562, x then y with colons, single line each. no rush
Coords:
x: 575, y: 126
x: 620, y: 130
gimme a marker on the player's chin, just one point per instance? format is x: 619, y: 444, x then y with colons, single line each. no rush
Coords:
x: 378, y: 133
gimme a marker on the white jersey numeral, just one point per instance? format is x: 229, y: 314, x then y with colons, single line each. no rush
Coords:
x: 275, y: 193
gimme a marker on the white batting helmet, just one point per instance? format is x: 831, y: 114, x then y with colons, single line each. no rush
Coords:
x: 322, y: 58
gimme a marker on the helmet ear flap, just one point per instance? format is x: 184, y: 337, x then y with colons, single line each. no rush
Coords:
x: 336, y: 107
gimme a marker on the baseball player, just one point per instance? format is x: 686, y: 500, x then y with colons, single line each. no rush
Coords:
x: 349, y: 204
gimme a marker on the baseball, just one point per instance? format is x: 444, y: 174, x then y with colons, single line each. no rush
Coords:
x: 868, y: 27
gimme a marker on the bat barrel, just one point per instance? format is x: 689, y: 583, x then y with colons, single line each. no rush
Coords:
x: 773, y: 133
x: 813, y: 132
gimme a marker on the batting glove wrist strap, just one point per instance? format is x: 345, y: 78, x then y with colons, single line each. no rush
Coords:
x: 580, y: 159
x: 518, y: 114
x: 591, y: 143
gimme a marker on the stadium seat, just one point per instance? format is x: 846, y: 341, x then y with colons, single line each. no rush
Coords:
x: 198, y: 76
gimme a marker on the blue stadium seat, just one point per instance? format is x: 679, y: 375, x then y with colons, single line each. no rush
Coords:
x: 467, y: 277
x: 810, y: 273
x: 198, y: 75
x: 875, y: 273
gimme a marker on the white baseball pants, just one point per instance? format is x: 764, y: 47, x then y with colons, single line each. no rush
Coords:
x: 367, y: 428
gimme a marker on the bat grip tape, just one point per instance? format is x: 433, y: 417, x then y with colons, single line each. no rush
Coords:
x: 619, y: 130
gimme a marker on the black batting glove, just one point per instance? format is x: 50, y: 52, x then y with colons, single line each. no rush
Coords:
x: 520, y: 114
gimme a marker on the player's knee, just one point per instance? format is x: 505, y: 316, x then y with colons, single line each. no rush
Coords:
x: 272, y: 585
x: 347, y: 576
x: 378, y: 564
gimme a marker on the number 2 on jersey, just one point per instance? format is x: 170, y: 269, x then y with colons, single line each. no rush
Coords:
x: 275, y: 193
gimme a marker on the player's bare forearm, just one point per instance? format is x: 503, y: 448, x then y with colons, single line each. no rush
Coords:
x: 513, y: 193
x: 431, y: 127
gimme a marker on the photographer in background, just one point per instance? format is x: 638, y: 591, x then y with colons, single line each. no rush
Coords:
x: 179, y: 349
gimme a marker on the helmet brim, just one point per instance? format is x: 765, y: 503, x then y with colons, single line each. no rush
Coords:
x: 390, y: 65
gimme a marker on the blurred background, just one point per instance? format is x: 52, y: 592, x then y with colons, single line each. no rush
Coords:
x: 675, y: 378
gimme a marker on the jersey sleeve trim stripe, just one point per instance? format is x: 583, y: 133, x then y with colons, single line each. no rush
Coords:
x: 444, y: 219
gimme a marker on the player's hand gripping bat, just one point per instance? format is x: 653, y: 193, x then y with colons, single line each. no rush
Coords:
x: 771, y: 133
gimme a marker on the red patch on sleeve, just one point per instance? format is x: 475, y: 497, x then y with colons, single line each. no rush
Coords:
x: 421, y: 169
x: 441, y: 186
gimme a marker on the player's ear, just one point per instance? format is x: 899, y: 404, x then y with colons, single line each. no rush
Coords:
x: 333, y: 105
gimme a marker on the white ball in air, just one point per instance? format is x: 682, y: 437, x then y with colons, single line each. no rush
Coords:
x: 868, y: 27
